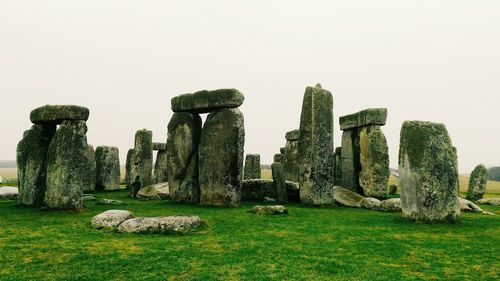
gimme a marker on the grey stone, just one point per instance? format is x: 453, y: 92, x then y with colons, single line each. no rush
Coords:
x: 141, y: 170
x: 111, y: 219
x: 159, y: 146
x: 290, y: 160
x: 338, y: 166
x: 252, y: 167
x: 369, y: 203
x: 89, y: 198
x: 489, y: 201
x: 477, y: 183
x: 279, y: 182
x: 207, y: 101
x: 107, y: 168
x: 316, y: 147
x: 159, y: 191
x: 184, y: 133
x: 56, y: 114
x: 282, y: 150
x: 269, y: 200
x: 346, y: 197
x: 428, y: 169
x: 160, y: 172
x: 257, y: 190
x: 221, y: 158
x: 350, y: 161
x: 67, y: 160
x: 390, y: 205
x: 128, y: 169
x: 292, y: 135
x: 468, y: 206
x: 106, y: 201
x: 367, y: 117
x: 269, y: 210
x: 161, y: 225
x: 8, y: 193
x: 32, y: 164
x: 277, y: 157
x: 90, y: 168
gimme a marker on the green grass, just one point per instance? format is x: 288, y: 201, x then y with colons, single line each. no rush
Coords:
x: 308, y: 244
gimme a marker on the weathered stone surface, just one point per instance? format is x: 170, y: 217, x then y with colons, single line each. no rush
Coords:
x: 184, y: 133
x: 107, y: 168
x: 390, y: 205
x: 207, y: 101
x: 258, y: 190
x: 282, y: 150
x: 279, y: 182
x: 338, y: 166
x: 477, y: 183
x: 367, y: 117
x: 66, y: 163
x: 32, y: 164
x: 292, y: 135
x: 428, y: 173
x: 159, y: 146
x: 56, y: 114
x: 269, y: 210
x: 374, y: 159
x: 221, y: 158
x: 468, y: 206
x: 290, y: 160
x: 252, y: 167
x: 128, y: 169
x: 111, y: 219
x: 160, y: 173
x: 489, y: 201
x: 8, y: 193
x: 350, y: 161
x: 346, y: 197
x: 90, y: 167
x: 141, y: 170
x: 277, y: 157
x: 316, y: 147
x: 159, y: 191
x: 105, y: 201
x: 369, y: 203
x: 161, y: 225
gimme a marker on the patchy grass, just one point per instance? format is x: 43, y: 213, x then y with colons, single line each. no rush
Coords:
x: 308, y: 244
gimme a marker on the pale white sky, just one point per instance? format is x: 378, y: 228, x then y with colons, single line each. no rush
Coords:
x: 426, y: 60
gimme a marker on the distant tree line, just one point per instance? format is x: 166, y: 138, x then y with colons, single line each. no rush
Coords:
x: 494, y: 173
x: 7, y: 164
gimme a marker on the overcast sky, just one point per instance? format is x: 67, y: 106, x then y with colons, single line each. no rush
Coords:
x: 423, y: 60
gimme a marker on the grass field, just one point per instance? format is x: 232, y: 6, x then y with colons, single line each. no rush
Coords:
x: 308, y: 244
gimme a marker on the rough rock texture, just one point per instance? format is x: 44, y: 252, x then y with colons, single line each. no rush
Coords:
x: 107, y: 168
x: 350, y: 161
x: 367, y: 117
x: 290, y: 158
x: 390, y: 205
x: 428, y: 173
x: 489, y: 201
x: 111, y: 219
x: 316, y: 147
x: 56, y: 114
x: 32, y: 164
x: 374, y: 159
x: 279, y: 182
x: 207, y: 101
x: 159, y: 146
x: 155, y: 192
x: 8, y: 193
x: 184, y: 133
x: 477, y: 183
x: 66, y: 163
x: 141, y: 170
x: 90, y: 167
x: 258, y: 190
x: 252, y: 167
x: 221, y: 158
x: 468, y: 206
x: 292, y: 135
x: 338, y: 166
x: 128, y: 169
x: 346, y: 197
x: 161, y: 225
x: 269, y: 210
x: 277, y: 157
x: 369, y: 203
x: 160, y: 173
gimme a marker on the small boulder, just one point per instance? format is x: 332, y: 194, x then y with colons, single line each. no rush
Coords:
x: 489, y: 201
x: 346, y: 197
x: 369, y: 203
x: 161, y: 225
x: 8, y: 192
x: 111, y: 219
x: 390, y: 205
x: 269, y: 210
x: 468, y: 206
x: 159, y: 191
x: 105, y: 201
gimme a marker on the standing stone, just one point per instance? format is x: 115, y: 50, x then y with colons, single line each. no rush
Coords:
x: 90, y: 167
x: 350, y: 161
x: 128, y: 169
x: 374, y: 159
x: 316, y: 147
x: 32, y: 164
x: 221, y: 158
x: 428, y: 170
x: 477, y: 183
x: 66, y: 165
x: 279, y: 182
x: 184, y: 133
x: 290, y: 157
x: 108, y: 168
x: 141, y: 171
x: 160, y: 172
x: 338, y: 166
x: 252, y: 167
x: 277, y: 157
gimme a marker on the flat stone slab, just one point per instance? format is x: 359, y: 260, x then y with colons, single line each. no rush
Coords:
x: 161, y: 225
x: 111, y: 219
x: 489, y: 201
x: 9, y: 192
x: 346, y: 197
x: 269, y: 210
x: 159, y: 146
x: 207, y: 101
x: 468, y: 206
x: 55, y: 114
x: 367, y: 117
x: 159, y: 191
x: 292, y: 135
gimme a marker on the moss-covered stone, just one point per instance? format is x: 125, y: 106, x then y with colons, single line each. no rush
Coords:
x: 316, y: 147
x: 279, y: 182
x: 107, y: 168
x: 252, y: 167
x: 128, y: 169
x: 221, y: 158
x: 477, y: 183
x: 351, y: 165
x: 159, y: 146
x: 55, y: 114
x: 428, y: 170
x: 277, y: 157
x: 160, y: 172
x: 66, y: 166
x: 290, y: 161
x: 207, y: 101
x: 184, y: 133
x: 32, y: 164
x: 257, y: 190
x: 282, y: 150
x: 292, y: 135
x: 374, y: 159
x: 141, y: 170
x: 367, y: 117
x: 90, y: 179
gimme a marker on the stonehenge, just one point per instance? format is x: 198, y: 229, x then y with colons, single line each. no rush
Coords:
x: 141, y: 162
x: 91, y: 167
x: 290, y: 156
x: 477, y: 183
x: 160, y: 173
x: 252, y: 167
x: 107, y: 168
x: 279, y: 182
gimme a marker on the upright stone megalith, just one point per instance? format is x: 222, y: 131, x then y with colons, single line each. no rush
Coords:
x: 32, y: 164
x: 221, y: 158
x: 128, y: 169
x: 290, y: 159
x: 374, y: 159
x: 428, y: 170
x: 315, y: 147
x: 141, y: 170
x: 184, y: 133
x: 477, y: 183
x: 279, y: 182
x: 90, y: 170
x: 66, y: 165
x: 252, y: 167
x: 160, y: 173
x: 107, y: 168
